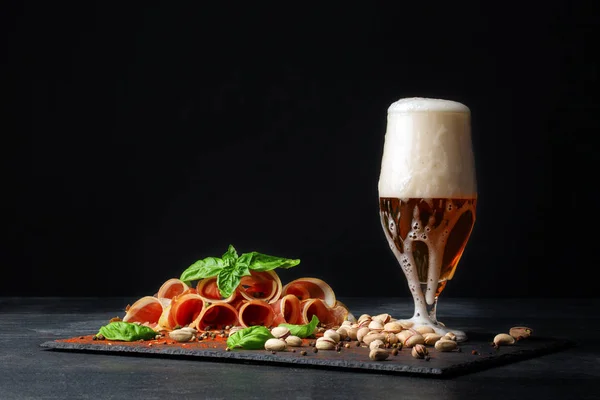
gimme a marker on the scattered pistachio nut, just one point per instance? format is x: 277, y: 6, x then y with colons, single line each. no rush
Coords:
x: 393, y: 327
x: 361, y: 333
x: 378, y: 354
x: 450, y: 336
x: 390, y: 337
x: 343, y: 332
x: 383, y: 318
x: 352, y: 332
x: 445, y: 345
x: 275, y: 344
x: 293, y: 341
x: 347, y: 323
x: 431, y: 338
x: 280, y: 332
x: 330, y: 333
x: 424, y: 329
x: 375, y: 325
x: 503, y: 339
x: 325, y: 343
x: 234, y: 329
x: 181, y: 335
x: 410, y: 338
x: 419, y: 351
x: 364, y: 317
x: 377, y: 344
x: 371, y: 336
x: 520, y: 332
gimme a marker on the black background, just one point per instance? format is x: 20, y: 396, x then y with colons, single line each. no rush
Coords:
x: 141, y: 138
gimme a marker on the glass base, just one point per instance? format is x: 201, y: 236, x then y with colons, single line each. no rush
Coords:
x: 438, y: 327
x: 425, y: 315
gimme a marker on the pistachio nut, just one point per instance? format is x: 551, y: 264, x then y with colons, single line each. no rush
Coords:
x: 390, y: 337
x: 419, y: 351
x: 376, y: 325
x: 343, y: 332
x: 293, y: 341
x: 361, y: 333
x: 520, y: 332
x: 431, y: 338
x: 280, y: 332
x: 325, y: 343
x: 450, y: 336
x: 371, y: 336
x: 424, y: 329
x: 377, y: 344
x: 234, y: 329
x: 347, y: 323
x: 180, y: 335
x: 275, y: 344
x: 503, y: 339
x: 364, y: 317
x: 410, y: 337
x: 378, y: 354
x: 445, y: 345
x: 352, y: 333
x: 393, y: 327
x: 383, y: 318
x: 330, y: 333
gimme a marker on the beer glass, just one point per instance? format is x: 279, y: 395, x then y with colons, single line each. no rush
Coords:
x: 427, y: 197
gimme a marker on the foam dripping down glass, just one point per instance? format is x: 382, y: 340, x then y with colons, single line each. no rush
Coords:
x: 428, y: 196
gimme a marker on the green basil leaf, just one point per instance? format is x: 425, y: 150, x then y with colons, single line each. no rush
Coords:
x: 206, y: 268
x: 228, y: 280
x: 252, y: 338
x: 303, y: 331
x: 126, y: 331
x: 242, y: 265
x: 263, y: 262
x: 230, y: 256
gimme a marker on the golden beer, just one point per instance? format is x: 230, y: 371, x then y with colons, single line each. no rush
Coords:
x: 428, y: 196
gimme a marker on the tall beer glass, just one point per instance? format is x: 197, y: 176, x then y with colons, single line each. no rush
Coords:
x: 427, y: 196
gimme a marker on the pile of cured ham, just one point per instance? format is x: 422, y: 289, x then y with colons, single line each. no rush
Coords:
x: 259, y: 299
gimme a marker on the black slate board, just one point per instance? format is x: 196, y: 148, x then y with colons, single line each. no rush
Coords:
x: 475, y: 355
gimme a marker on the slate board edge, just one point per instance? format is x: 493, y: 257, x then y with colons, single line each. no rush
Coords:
x: 248, y: 357
x: 268, y: 359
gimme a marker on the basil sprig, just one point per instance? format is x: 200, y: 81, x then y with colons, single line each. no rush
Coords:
x: 252, y: 338
x: 126, y: 331
x: 230, y: 268
x: 303, y: 331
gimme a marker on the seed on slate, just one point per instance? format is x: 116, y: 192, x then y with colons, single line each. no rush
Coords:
x: 303, y: 352
x: 395, y: 351
x: 475, y: 352
x: 315, y: 350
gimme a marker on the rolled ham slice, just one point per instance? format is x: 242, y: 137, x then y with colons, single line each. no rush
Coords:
x: 209, y: 291
x: 182, y: 311
x: 147, y: 309
x: 255, y: 312
x: 171, y: 288
x: 217, y: 316
x: 261, y: 285
x: 328, y: 316
x: 310, y: 288
x: 287, y: 310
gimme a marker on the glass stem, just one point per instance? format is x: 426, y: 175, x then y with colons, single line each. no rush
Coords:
x: 431, y: 308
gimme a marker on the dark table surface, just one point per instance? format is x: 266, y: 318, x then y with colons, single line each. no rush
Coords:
x: 30, y: 372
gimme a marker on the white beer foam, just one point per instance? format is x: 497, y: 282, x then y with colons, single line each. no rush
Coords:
x: 416, y: 104
x: 427, y: 151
